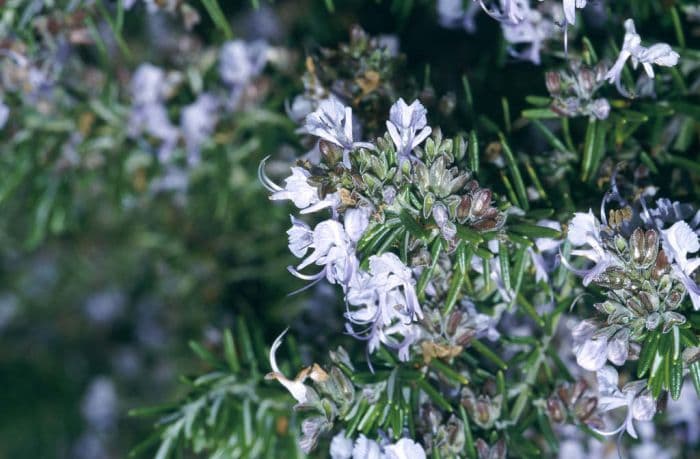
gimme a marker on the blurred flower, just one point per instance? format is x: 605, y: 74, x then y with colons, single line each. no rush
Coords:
x: 407, y: 126
x: 240, y: 62
x: 103, y: 307
x: 453, y: 13
x: 100, y: 404
x: 4, y: 113
x: 197, y: 122
x: 300, y: 237
x: 659, y: 54
x: 531, y: 31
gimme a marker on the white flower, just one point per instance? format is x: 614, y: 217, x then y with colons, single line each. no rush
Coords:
x: 511, y: 12
x: 659, y: 54
x: 300, y: 237
x: 591, y: 353
x: 332, y: 121
x: 296, y: 387
x: 197, y: 122
x: 570, y: 9
x: 240, y: 62
x: 634, y: 396
x: 407, y: 126
x: 584, y: 230
x: 532, y: 30
x: 405, y: 449
x: 544, y: 258
x: 341, y: 446
x: 297, y: 189
x: 366, y: 449
x: 678, y: 241
x: 356, y: 222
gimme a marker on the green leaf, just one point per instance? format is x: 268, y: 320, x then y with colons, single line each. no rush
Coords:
x: 647, y: 353
x: 473, y: 148
x: 230, y: 352
x: 694, y: 369
x: 588, y: 150
x: 534, y: 231
x: 412, y: 226
x: 434, y: 395
x: 538, y: 113
x: 515, y: 173
x: 218, y: 17
x: 489, y: 354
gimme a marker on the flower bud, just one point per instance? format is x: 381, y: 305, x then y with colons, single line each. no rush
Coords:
x: 585, y: 407
x: 481, y: 202
x: 556, y: 409
x: 553, y: 82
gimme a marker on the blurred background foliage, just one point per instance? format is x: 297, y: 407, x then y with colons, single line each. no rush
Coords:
x: 105, y: 278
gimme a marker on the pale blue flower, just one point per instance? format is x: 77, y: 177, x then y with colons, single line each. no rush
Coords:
x: 148, y: 85
x: 332, y: 121
x: 385, y: 303
x: 407, y: 126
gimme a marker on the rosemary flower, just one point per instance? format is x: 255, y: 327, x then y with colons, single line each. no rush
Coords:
x: 633, y: 396
x: 659, y: 54
x: 407, y: 126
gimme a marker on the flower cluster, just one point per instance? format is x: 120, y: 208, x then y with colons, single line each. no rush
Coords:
x: 646, y: 275
x: 573, y: 91
x: 151, y: 87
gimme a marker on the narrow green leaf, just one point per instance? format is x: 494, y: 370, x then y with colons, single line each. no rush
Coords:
x: 469, y: 439
x: 515, y: 173
x: 473, y: 148
x: 695, y: 376
x: 412, y: 226
x: 230, y: 352
x: 550, y: 137
x: 647, y: 353
x: 534, y: 231
x: 453, y: 292
x: 588, y: 150
x: 218, y: 17
x: 489, y: 354
x: 434, y: 395
x: 538, y: 113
